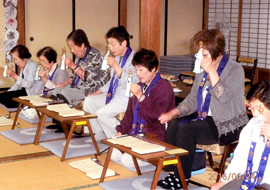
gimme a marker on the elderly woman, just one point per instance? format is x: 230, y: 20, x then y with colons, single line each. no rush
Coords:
x: 152, y: 97
x: 250, y: 165
x: 52, y: 75
x: 87, y: 73
x: 215, y: 106
x: 25, y: 84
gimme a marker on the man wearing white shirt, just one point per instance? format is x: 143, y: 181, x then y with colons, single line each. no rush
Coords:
x: 110, y: 99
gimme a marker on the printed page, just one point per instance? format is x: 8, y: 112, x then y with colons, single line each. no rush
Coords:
x: 58, y: 107
x: 71, y: 112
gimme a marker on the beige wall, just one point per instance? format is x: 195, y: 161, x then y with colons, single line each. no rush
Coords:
x: 48, y: 22
x: 96, y: 18
x: 133, y: 20
x: 184, y: 21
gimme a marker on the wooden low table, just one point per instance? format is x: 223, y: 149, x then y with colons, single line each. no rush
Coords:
x: 160, y: 159
x: 22, y: 102
x: 186, y: 88
x: 73, y: 121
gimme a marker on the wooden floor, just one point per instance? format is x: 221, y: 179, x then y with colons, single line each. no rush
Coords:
x: 31, y: 166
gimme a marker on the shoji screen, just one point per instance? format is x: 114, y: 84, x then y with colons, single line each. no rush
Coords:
x: 230, y: 8
x: 255, y: 27
x: 255, y: 37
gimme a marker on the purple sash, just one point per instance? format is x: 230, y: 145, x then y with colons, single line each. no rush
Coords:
x: 138, y: 123
x: 50, y: 78
x: 76, y: 78
x: 204, y: 108
x: 114, y: 82
x: 255, y: 178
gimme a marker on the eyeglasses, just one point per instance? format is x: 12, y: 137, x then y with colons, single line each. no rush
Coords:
x: 43, y: 62
x: 258, y: 107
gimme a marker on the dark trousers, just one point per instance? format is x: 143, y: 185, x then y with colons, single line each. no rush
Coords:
x: 189, y: 133
x: 6, y: 97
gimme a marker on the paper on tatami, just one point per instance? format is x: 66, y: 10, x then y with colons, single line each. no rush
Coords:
x: 91, y: 168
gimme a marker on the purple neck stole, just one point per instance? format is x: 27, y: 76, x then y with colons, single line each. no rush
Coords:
x: 204, y: 108
x: 138, y: 123
x: 76, y: 78
x: 255, y: 178
x: 114, y: 82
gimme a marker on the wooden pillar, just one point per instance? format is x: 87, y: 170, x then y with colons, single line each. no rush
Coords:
x: 238, y: 49
x: 122, y: 13
x: 150, y: 25
x: 205, y: 13
x: 21, y: 21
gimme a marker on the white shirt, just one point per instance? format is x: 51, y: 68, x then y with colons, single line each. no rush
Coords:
x: 239, y: 161
x: 49, y: 84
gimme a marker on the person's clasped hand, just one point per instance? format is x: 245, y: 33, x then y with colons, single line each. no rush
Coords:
x: 265, y: 130
x: 136, y: 90
x: 9, y: 72
x: 207, y: 65
x: 111, y: 62
x: 42, y: 74
x: 70, y: 63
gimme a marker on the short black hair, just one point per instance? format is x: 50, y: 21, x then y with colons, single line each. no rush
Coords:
x: 23, y: 52
x: 260, y: 91
x: 120, y: 34
x: 49, y: 53
x: 146, y: 58
x: 79, y: 37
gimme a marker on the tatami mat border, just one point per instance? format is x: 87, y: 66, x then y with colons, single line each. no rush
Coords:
x: 82, y: 187
x: 25, y: 157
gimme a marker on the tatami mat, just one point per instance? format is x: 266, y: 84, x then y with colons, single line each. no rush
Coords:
x: 33, y: 167
x: 10, y: 148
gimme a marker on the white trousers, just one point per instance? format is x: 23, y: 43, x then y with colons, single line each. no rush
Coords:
x: 104, y: 125
x: 126, y: 159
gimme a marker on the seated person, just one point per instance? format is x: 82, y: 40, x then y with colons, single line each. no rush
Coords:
x: 25, y: 84
x: 250, y: 165
x: 88, y: 76
x: 110, y: 100
x: 215, y: 107
x: 52, y: 75
x: 151, y: 97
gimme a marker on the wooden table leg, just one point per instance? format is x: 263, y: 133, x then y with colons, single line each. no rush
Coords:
x: 65, y: 129
x: 181, y: 173
x: 106, y: 164
x: 39, y: 129
x: 68, y: 140
x: 16, y: 116
x: 157, y: 173
x: 136, y: 165
x: 92, y: 136
x: 38, y: 114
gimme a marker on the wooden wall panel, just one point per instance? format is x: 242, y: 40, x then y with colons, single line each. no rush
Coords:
x: 150, y: 25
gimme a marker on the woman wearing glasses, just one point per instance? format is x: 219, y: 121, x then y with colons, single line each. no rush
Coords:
x: 25, y: 84
x: 215, y: 110
x: 52, y: 75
